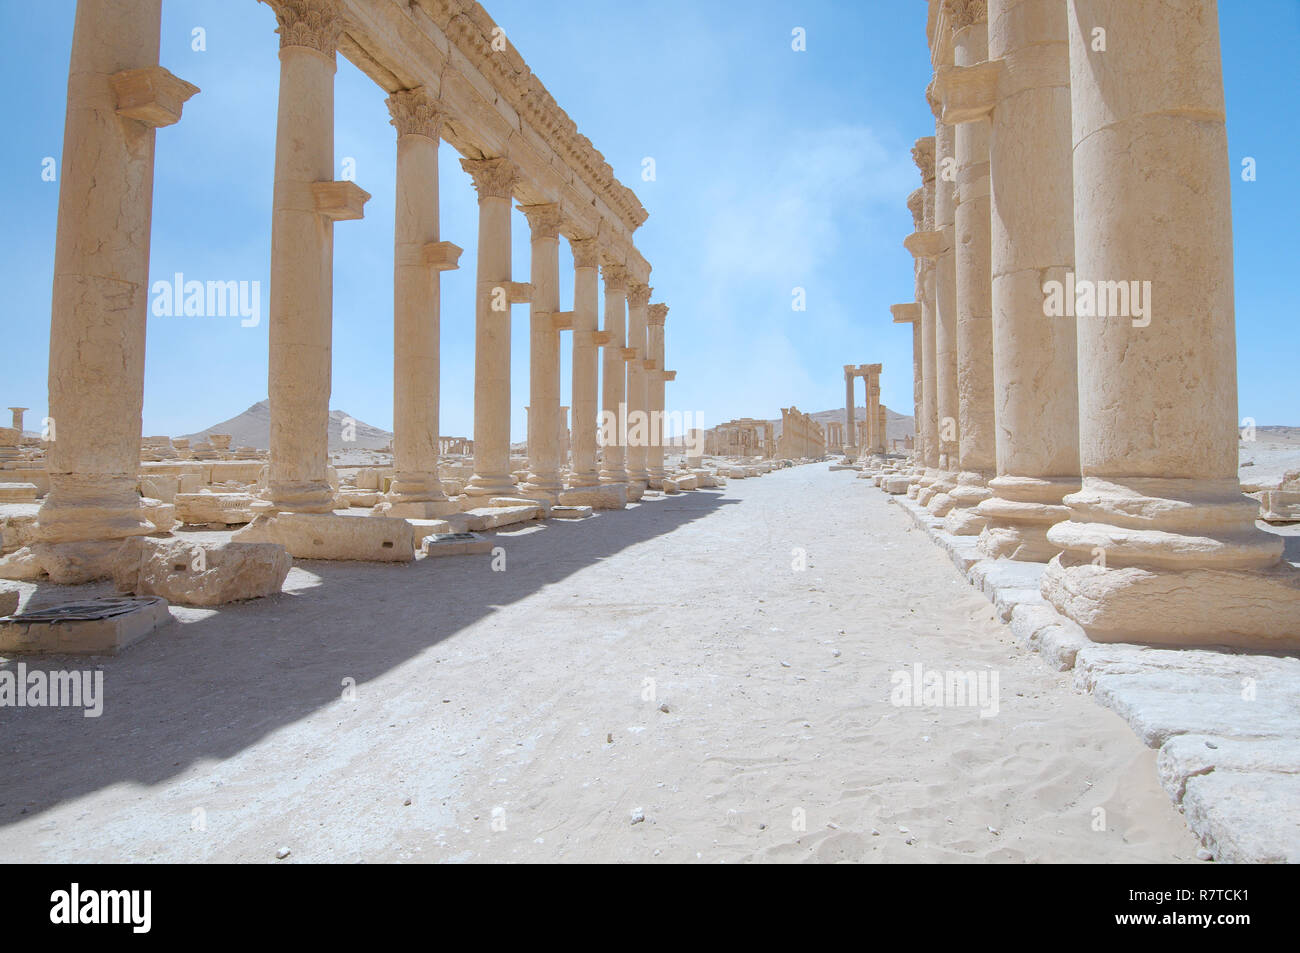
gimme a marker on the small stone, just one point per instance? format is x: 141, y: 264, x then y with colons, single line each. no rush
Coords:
x: 664, y: 709
x: 406, y: 803
x: 609, y: 738
x: 638, y: 815
x: 1203, y: 854
x: 282, y: 853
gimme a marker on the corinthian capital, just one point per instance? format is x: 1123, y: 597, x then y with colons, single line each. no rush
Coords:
x: 543, y: 220
x: 493, y: 178
x: 415, y: 113
x: 923, y: 156
x: 586, y: 253
x: 658, y: 314
x: 315, y: 24
x: 615, y: 275
x: 964, y: 13
x: 638, y: 294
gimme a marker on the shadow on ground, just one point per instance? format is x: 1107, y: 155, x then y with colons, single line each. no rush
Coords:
x: 209, y: 688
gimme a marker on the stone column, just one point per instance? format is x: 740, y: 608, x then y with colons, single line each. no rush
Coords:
x: 562, y: 437
x: 945, y: 334
x: 875, y: 439
x: 307, y: 202
x: 1025, y: 90
x: 17, y: 414
x: 1161, y: 546
x: 586, y: 359
x: 118, y: 96
x: 543, y: 480
x: 655, y: 319
x: 925, y: 246
x: 638, y: 298
x: 850, y: 412
x: 977, y: 433
x: 613, y: 391
x: 494, y: 179
x: 418, y: 258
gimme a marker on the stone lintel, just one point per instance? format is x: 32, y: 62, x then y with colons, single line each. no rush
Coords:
x: 340, y: 201
x: 969, y: 92
x: 909, y: 313
x: 442, y: 256
x: 151, y: 95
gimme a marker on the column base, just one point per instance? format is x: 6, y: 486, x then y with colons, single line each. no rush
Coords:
x: 937, y: 497
x: 82, y: 507
x: 1019, y: 514
x: 971, y: 490
x: 1256, y: 609
x: 408, y: 509
x: 584, y: 479
x: 490, y: 485
x: 306, y: 497
x: 67, y: 564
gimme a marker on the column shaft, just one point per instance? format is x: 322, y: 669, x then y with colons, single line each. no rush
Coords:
x: 613, y: 389
x: 544, y: 354
x: 586, y: 360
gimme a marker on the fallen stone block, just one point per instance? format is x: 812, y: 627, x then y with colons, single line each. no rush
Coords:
x: 1245, y: 817
x: 224, y: 508
x: 570, y: 512
x: 334, y: 536
x: 88, y: 627
x: 200, y: 574
x: 484, y: 518
x: 455, y: 544
x: 669, y: 486
x: 17, y: 492
x: 608, y: 496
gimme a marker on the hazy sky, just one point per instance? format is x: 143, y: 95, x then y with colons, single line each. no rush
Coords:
x: 775, y: 169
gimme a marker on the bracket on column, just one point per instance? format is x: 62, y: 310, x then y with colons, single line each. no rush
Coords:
x: 924, y: 244
x: 669, y: 375
x: 442, y: 256
x: 151, y: 95
x: 629, y: 353
x: 340, y: 201
x: 601, y: 338
x: 519, y: 292
x: 969, y: 92
x: 909, y: 313
x: 562, y: 320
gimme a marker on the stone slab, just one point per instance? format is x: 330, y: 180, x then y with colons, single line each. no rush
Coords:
x: 455, y: 544
x: 570, y: 512
x: 607, y: 496
x: 1245, y: 817
x: 334, y: 536
x: 200, y: 574
x: 72, y: 629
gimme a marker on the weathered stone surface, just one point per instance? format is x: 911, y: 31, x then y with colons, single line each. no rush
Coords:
x: 17, y: 492
x: 1246, y: 817
x: 226, y: 508
x: 333, y: 536
x: 200, y: 574
x: 1050, y: 634
x: 125, y: 621
x: 608, y: 496
x: 8, y: 601
x: 494, y: 517
x: 455, y: 544
x: 570, y: 512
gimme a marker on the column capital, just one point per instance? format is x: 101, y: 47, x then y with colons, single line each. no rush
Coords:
x: 923, y: 156
x: 657, y: 315
x: 315, y: 24
x: 615, y: 275
x: 964, y: 13
x: 586, y: 253
x: 415, y: 113
x: 638, y: 294
x: 493, y: 178
x: 916, y: 205
x: 933, y: 101
x: 544, y: 220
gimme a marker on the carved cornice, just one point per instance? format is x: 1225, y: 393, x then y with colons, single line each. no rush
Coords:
x: 586, y: 252
x: 472, y: 30
x: 543, y: 220
x: 493, y: 178
x: 615, y: 276
x: 415, y: 113
x: 315, y: 24
x: 964, y: 13
x: 638, y: 295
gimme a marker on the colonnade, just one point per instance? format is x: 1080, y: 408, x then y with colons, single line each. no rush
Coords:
x: 518, y: 146
x: 801, y: 436
x: 1073, y: 330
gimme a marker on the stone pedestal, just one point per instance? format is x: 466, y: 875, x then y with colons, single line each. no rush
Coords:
x: 1161, y: 545
x: 543, y: 481
x: 118, y: 96
x: 494, y: 179
x: 418, y: 259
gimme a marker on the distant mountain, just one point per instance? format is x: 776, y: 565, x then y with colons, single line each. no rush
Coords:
x: 252, y: 428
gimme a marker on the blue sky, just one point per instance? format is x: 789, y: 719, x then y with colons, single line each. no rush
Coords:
x: 775, y: 169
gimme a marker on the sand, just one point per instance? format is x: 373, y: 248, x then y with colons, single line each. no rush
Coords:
x: 506, y: 716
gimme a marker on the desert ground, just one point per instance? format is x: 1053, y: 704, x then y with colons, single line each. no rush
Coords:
x: 649, y: 685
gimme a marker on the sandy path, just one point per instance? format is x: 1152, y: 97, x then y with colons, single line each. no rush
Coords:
x: 488, y: 699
